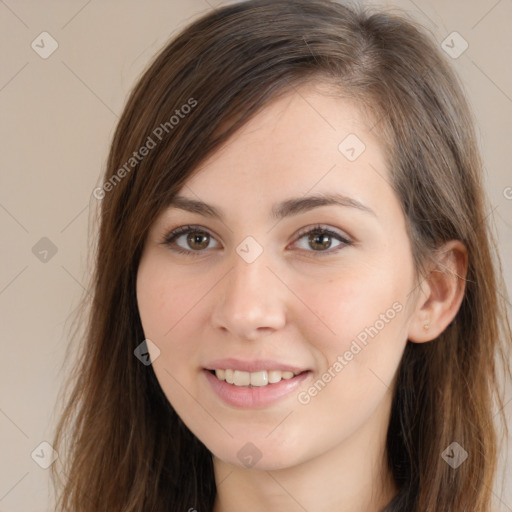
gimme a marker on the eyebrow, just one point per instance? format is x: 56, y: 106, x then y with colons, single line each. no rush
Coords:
x: 279, y: 211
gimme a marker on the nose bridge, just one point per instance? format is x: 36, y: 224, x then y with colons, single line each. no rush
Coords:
x: 250, y: 277
x: 250, y: 298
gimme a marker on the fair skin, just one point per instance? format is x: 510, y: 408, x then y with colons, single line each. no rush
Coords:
x: 296, y: 304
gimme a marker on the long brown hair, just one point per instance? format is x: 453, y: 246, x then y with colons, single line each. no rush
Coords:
x: 124, y: 447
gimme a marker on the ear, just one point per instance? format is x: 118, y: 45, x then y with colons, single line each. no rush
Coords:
x: 441, y: 293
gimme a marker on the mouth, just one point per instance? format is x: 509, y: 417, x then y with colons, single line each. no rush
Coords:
x: 256, y: 389
x: 257, y: 379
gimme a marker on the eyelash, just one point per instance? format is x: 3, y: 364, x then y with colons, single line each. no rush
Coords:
x: 176, y: 233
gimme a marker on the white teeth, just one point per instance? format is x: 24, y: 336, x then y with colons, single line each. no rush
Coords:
x: 241, y: 378
x: 274, y: 376
x: 255, y: 379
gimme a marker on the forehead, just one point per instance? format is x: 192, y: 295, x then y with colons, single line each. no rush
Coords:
x: 307, y: 140
x: 307, y: 124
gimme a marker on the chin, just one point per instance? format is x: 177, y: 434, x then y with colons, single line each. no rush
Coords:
x: 262, y: 455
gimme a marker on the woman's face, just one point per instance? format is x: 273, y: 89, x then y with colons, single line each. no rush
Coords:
x: 297, y: 261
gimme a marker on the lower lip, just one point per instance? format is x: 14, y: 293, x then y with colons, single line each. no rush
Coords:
x: 259, y: 396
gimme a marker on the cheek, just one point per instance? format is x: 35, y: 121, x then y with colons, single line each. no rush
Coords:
x: 356, y: 363
x: 363, y: 302
x: 359, y: 341
x: 164, y: 297
x: 166, y: 305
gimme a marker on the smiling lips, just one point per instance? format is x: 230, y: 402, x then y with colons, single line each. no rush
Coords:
x: 253, y: 373
x: 255, y: 383
x: 254, y: 379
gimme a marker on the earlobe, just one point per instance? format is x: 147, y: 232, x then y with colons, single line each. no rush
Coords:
x: 441, y: 293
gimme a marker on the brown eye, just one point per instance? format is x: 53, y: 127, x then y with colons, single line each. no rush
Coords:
x: 193, y: 241
x: 198, y: 240
x: 190, y: 240
x: 319, y: 241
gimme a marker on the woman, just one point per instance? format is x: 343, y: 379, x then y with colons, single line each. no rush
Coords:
x: 296, y: 305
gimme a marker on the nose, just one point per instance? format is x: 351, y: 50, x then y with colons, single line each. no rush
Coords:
x: 251, y: 303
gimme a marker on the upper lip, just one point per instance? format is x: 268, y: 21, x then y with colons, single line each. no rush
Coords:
x: 255, y: 365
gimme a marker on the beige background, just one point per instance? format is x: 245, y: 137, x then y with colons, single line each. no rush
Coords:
x: 58, y: 115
